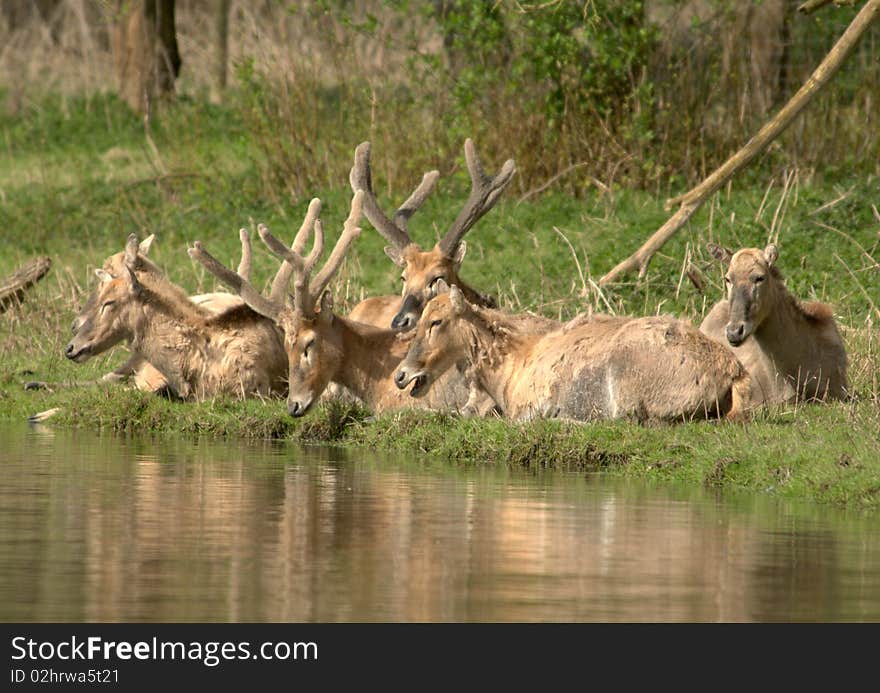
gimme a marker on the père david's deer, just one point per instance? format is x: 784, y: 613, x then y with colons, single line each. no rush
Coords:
x: 199, y: 354
x: 323, y: 347
x: 591, y: 368
x: 792, y: 350
x: 138, y: 369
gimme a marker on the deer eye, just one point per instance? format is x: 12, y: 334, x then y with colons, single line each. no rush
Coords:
x: 308, y: 347
x: 106, y: 304
x: 727, y: 280
x: 758, y: 279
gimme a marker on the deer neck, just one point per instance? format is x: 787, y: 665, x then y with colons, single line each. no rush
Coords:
x: 172, y: 337
x: 496, y: 350
x: 781, y: 334
x: 367, y: 359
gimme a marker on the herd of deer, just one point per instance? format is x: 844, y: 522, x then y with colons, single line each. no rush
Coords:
x: 443, y: 344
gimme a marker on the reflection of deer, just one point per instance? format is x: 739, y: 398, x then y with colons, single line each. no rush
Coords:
x: 323, y: 347
x: 792, y: 350
x: 593, y: 367
x: 199, y: 354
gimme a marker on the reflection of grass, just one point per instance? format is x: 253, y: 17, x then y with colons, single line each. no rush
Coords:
x: 74, y: 190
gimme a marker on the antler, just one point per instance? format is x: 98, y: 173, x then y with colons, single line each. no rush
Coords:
x: 485, y: 191
x: 244, y: 267
x: 307, y: 294
x: 396, y: 231
x: 282, y: 278
x: 238, y: 282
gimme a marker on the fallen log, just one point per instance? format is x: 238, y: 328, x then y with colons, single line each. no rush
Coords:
x: 12, y: 288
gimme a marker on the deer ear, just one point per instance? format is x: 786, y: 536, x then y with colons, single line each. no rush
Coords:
x: 326, y: 314
x: 456, y: 298
x: 131, y: 251
x: 144, y: 245
x: 718, y: 252
x: 459, y: 254
x: 771, y: 254
x: 131, y: 280
x: 396, y: 256
x: 441, y: 287
x: 103, y: 275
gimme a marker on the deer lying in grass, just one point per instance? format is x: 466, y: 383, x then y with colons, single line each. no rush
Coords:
x: 792, y: 350
x: 198, y: 353
x: 591, y: 368
x: 323, y: 347
x: 144, y: 375
x: 423, y: 269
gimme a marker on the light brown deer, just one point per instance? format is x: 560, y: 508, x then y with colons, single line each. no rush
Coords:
x: 145, y: 376
x: 792, y: 350
x: 422, y: 269
x: 594, y: 367
x: 199, y: 354
x: 323, y: 347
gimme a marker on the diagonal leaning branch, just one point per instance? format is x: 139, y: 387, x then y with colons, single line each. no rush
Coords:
x: 691, y: 201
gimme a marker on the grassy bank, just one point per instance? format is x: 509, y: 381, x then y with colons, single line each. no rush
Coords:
x: 78, y: 177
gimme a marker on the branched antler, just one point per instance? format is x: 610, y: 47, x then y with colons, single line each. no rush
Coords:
x: 485, y: 191
x: 306, y: 294
x: 235, y: 281
x: 396, y: 231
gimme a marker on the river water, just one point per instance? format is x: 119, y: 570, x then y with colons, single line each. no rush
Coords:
x: 97, y: 527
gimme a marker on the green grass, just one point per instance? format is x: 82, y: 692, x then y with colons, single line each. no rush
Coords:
x: 63, y: 195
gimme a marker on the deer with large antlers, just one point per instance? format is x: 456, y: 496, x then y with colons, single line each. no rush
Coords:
x: 422, y: 269
x: 323, y: 347
x: 199, y: 354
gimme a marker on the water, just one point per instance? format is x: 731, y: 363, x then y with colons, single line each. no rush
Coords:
x: 104, y: 528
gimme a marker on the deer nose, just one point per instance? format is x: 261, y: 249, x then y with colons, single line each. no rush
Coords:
x: 401, y: 379
x: 401, y: 322
x: 68, y: 350
x: 294, y: 409
x: 736, y: 333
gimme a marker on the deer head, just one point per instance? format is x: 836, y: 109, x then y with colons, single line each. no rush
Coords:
x: 311, y: 343
x: 439, y: 342
x: 751, y: 280
x: 423, y: 269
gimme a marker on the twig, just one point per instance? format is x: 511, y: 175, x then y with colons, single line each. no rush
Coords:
x: 811, y: 6
x: 160, y: 179
x: 584, y: 290
x: 541, y: 188
x: 859, y: 284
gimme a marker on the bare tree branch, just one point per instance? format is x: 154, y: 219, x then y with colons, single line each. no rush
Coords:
x: 691, y: 201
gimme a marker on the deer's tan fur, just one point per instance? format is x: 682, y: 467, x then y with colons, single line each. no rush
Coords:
x: 792, y: 350
x: 198, y: 353
x: 145, y: 376
x: 592, y: 368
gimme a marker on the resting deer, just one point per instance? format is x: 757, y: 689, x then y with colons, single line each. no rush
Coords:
x: 323, y: 347
x: 423, y: 269
x: 792, y: 350
x: 144, y: 375
x: 200, y: 355
x: 591, y: 368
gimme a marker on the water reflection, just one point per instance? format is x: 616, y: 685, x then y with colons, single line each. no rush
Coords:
x: 102, y: 528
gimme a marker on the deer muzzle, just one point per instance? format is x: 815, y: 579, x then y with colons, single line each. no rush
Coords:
x: 405, y: 375
x: 408, y: 315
